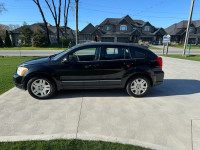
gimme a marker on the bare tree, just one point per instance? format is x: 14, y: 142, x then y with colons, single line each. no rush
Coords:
x: 66, y: 12
x: 55, y: 16
x: 37, y: 2
x: 76, y: 21
x: 2, y: 8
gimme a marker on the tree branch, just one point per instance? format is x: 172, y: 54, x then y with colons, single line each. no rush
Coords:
x: 50, y: 9
x: 59, y: 13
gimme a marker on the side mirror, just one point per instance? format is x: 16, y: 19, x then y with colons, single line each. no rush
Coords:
x: 65, y: 60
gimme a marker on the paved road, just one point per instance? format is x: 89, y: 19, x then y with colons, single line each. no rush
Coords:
x: 51, y: 52
x: 162, y: 120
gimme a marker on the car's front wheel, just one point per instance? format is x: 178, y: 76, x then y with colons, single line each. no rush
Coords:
x: 41, y: 87
x: 138, y: 86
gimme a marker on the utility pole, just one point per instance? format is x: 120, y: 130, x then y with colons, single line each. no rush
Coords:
x: 76, y: 21
x: 188, y: 27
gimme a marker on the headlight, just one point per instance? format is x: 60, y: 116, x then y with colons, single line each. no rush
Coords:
x: 21, y: 70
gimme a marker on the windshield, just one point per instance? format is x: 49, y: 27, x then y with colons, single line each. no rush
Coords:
x: 62, y: 53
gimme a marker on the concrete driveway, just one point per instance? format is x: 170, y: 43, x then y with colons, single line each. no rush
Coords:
x: 168, y: 118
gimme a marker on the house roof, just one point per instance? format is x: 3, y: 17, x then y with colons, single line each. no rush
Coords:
x: 116, y: 21
x: 175, y: 28
x: 88, y: 29
x: 41, y: 26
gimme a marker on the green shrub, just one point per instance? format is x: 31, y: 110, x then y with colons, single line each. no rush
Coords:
x: 64, y: 42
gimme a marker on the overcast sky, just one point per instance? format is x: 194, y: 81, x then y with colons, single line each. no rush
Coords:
x: 160, y: 13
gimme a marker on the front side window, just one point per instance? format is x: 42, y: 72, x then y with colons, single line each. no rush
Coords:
x: 112, y: 53
x: 147, y: 28
x: 123, y: 27
x: 86, y: 54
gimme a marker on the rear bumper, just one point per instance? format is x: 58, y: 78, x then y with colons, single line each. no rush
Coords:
x: 158, y: 78
x: 18, y: 81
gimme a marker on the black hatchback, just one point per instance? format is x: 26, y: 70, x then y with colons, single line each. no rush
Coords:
x: 92, y: 66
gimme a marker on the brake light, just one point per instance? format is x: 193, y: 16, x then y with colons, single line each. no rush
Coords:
x: 160, y: 62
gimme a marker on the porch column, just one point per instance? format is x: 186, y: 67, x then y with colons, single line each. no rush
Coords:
x: 115, y: 39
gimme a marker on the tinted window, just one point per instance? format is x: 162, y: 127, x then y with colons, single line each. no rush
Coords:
x: 139, y: 54
x: 85, y: 54
x: 112, y: 53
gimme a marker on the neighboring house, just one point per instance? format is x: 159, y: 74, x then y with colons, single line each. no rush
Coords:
x: 121, y: 30
x: 178, y: 30
x: 15, y: 34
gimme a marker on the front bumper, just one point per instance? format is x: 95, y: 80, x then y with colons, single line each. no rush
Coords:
x: 18, y: 81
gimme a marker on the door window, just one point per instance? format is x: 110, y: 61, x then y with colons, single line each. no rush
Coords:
x: 86, y: 54
x: 113, y: 53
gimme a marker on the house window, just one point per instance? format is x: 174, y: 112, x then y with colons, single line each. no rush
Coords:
x: 107, y: 28
x: 134, y: 28
x: 123, y: 27
x: 147, y: 28
x: 191, y: 29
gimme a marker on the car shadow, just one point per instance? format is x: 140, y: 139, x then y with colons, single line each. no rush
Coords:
x: 170, y: 87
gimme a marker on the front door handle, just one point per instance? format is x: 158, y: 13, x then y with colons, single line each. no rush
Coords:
x: 88, y: 66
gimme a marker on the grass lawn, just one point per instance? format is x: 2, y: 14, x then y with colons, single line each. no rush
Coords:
x: 191, y: 57
x: 7, y: 69
x: 154, y: 48
x: 67, y: 145
x: 182, y: 46
x: 32, y: 48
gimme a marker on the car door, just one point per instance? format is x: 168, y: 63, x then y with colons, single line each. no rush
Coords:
x: 81, y: 70
x: 113, y: 65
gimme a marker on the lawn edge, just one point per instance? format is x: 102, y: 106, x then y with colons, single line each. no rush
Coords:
x: 88, y: 137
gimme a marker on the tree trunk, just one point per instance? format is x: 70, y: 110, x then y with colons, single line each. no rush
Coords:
x: 46, y: 26
x: 58, y: 33
x: 45, y: 22
x: 66, y: 17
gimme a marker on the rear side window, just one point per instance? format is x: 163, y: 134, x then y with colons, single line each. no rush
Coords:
x: 113, y: 53
x: 138, y: 53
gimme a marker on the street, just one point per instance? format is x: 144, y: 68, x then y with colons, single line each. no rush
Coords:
x: 172, y: 50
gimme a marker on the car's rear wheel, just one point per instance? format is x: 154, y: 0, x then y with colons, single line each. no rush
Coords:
x: 138, y: 86
x: 41, y: 87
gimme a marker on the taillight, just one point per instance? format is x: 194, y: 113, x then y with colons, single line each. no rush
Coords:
x: 160, y: 62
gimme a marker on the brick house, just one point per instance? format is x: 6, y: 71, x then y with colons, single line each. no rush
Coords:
x: 123, y: 29
x: 178, y: 31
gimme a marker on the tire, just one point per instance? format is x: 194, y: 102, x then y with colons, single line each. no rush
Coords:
x: 41, y: 87
x: 138, y: 86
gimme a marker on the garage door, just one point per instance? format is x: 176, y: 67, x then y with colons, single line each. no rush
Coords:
x: 123, y: 39
x: 107, y: 39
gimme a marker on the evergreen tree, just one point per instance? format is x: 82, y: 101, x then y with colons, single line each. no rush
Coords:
x: 1, y: 42
x: 26, y: 35
x: 8, y: 42
x: 39, y: 39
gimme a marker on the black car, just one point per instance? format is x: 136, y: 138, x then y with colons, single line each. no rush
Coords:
x: 92, y: 66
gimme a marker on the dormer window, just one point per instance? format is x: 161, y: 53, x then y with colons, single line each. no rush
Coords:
x: 107, y: 28
x: 123, y: 27
x: 147, y: 28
